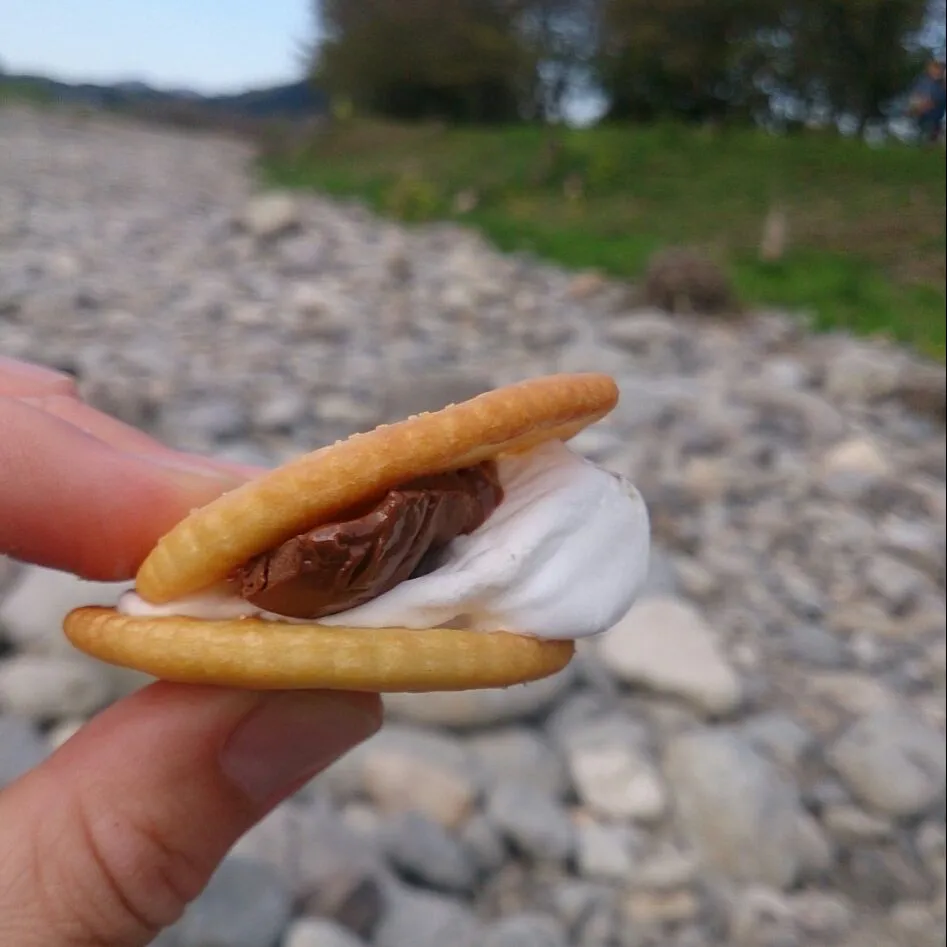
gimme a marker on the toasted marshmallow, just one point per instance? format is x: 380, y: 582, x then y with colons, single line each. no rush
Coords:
x: 563, y: 556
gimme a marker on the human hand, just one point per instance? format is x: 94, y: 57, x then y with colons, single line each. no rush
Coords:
x: 105, y: 843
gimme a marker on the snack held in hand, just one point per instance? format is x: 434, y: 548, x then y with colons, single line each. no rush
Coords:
x: 461, y: 549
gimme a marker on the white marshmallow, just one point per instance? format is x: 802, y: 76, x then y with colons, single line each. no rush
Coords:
x: 564, y: 555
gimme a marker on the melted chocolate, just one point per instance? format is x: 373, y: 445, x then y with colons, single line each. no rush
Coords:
x: 337, y: 566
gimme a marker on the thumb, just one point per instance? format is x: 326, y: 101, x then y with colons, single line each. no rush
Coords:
x: 105, y: 843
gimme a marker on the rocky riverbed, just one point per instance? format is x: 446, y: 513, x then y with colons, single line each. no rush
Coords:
x: 754, y: 757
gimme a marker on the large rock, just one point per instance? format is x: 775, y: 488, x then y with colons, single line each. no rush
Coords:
x: 664, y: 644
x: 604, y: 852
x: 517, y: 754
x: 780, y: 737
x: 861, y: 373
x: 425, y: 852
x: 793, y: 414
x: 850, y: 468
x: 245, y: 905
x: 916, y: 924
x: 644, y: 331
x: 898, y: 584
x: 736, y: 807
x: 536, y: 824
x: 330, y: 869
x: 858, y: 455
x: 892, y: 761
x: 485, y: 843
x: 403, y: 768
x: 590, y: 911
x: 611, y: 768
x: 760, y: 917
x: 318, y: 932
x: 618, y: 782
x: 270, y: 215
x: 525, y: 930
x: 417, y: 918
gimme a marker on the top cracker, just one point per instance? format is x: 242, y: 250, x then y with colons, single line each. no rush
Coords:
x: 211, y: 542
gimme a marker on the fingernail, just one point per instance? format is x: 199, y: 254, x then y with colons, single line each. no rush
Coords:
x: 290, y: 737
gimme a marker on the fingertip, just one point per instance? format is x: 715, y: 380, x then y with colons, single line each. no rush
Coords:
x: 27, y: 379
x: 71, y: 502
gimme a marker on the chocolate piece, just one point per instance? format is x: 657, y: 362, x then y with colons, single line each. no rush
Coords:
x: 337, y: 566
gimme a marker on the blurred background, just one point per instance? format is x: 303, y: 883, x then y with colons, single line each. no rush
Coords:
x: 255, y: 228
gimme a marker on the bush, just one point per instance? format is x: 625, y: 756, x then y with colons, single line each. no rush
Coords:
x: 411, y: 198
x: 683, y: 280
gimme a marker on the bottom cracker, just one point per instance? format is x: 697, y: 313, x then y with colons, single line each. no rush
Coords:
x: 263, y: 655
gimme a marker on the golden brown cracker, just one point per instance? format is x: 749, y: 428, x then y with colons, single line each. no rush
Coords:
x: 264, y: 655
x: 206, y: 546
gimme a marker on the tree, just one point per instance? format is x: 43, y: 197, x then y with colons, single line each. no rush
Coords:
x: 851, y: 58
x: 462, y: 60
x: 693, y: 59
x: 459, y: 60
x: 696, y: 60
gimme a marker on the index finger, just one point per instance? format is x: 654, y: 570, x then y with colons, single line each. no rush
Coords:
x: 71, y: 501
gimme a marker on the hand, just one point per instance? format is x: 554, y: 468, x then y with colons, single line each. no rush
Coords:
x: 105, y: 843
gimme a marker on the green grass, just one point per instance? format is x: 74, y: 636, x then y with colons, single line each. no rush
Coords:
x: 866, y: 225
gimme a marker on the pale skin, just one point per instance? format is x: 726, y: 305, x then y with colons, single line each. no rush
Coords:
x: 105, y: 843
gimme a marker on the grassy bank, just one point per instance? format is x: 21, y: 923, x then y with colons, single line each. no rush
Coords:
x: 866, y: 243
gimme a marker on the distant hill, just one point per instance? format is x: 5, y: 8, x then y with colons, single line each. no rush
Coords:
x: 294, y: 100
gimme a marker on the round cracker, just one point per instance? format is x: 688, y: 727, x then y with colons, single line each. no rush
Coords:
x: 265, y: 655
x: 212, y: 541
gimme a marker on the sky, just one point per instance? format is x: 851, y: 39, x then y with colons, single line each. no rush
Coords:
x: 205, y: 45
